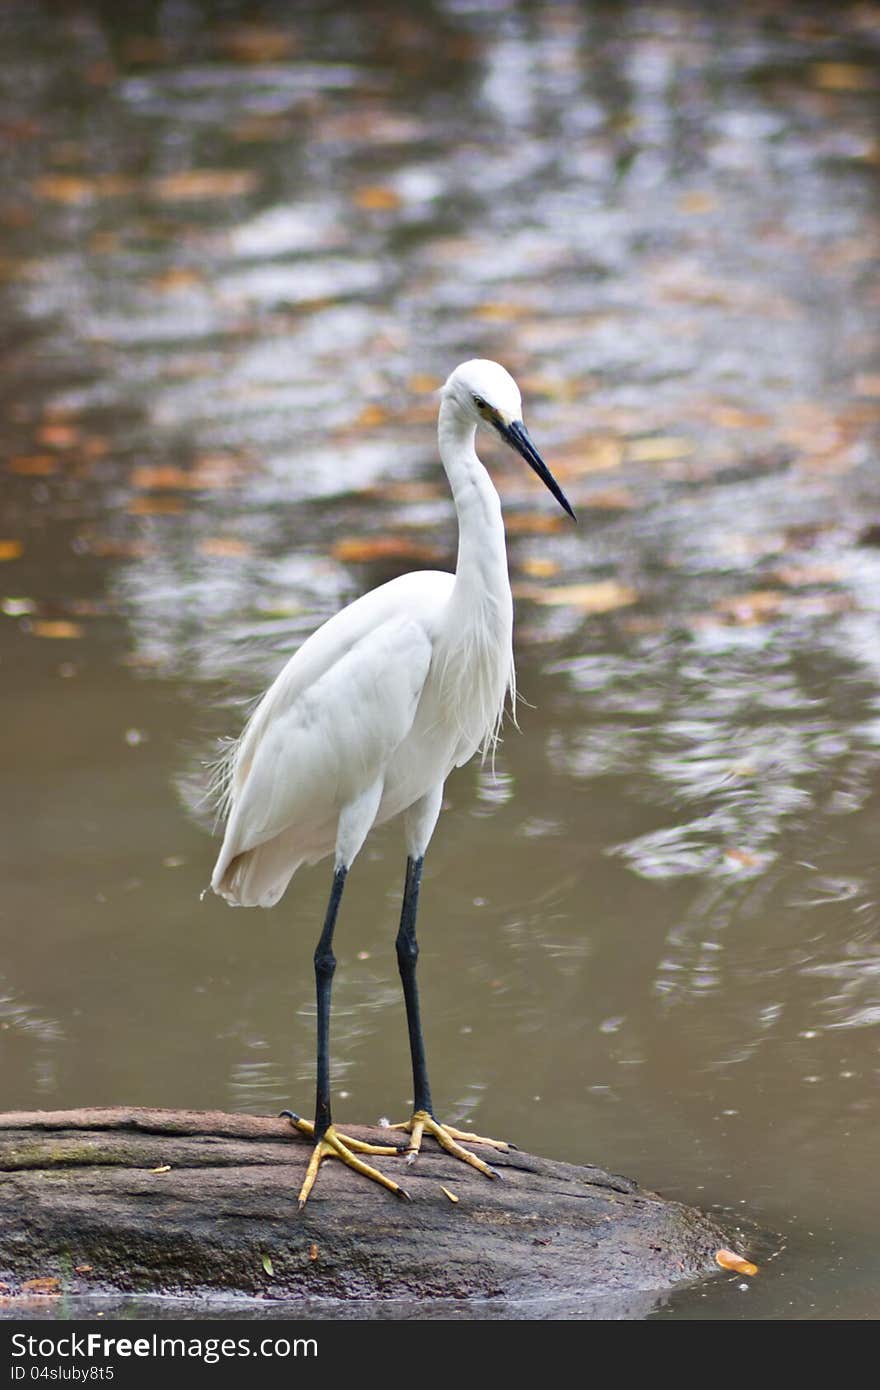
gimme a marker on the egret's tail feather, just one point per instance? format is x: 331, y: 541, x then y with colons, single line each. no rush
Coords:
x: 256, y: 878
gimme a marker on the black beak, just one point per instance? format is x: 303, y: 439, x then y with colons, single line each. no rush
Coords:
x: 517, y: 436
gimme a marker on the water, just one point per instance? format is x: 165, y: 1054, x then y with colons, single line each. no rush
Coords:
x: 239, y: 251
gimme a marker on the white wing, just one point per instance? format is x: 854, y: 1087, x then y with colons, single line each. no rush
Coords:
x: 323, y: 733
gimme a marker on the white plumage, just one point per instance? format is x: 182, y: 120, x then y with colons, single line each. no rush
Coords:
x: 378, y: 706
x: 366, y: 721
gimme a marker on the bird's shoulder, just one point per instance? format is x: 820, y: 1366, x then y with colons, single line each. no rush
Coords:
x: 409, y: 606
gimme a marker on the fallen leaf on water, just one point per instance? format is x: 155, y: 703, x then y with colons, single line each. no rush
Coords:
x: 657, y: 450
x: 268, y: 1266
x: 192, y: 185
x: 728, y: 1259
x: 446, y: 1193
x: 10, y: 550
x: 731, y: 417
x: 376, y: 198
x: 697, y: 202
x: 163, y: 476
x: 502, y: 311
x: 211, y: 471
x: 422, y: 384
x: 593, y: 455
x: 409, y: 490
x: 351, y: 550
x: 58, y: 436
x: 224, y: 547
x: 56, y: 627
x: 370, y: 417
x: 177, y: 277
x: 64, y: 188
x: 601, y: 597
x: 34, y: 465
x: 532, y: 523
x: 612, y: 499
x: 842, y: 77
x: 155, y: 506
x: 313, y: 1252
x: 48, y: 1285
x: 255, y: 43
x: 163, y: 1168
x: 539, y: 567
x: 82, y: 1269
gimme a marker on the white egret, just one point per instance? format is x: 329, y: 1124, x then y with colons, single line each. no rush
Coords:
x: 367, y: 720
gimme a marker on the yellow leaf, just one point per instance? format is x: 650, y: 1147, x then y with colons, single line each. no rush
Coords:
x: 601, y: 597
x: 591, y: 455
x: 370, y: 417
x: 374, y: 198
x: 10, y: 550
x: 224, y: 547
x: 175, y: 278
x: 355, y: 550
x: 47, y: 1285
x: 502, y: 311
x: 192, y: 185
x: 256, y: 43
x: 728, y: 1259
x: 842, y: 77
x: 730, y: 417
x: 532, y: 523
x: 58, y: 436
x: 446, y: 1193
x: 56, y: 627
x: 163, y: 476
x: 34, y: 465
x: 539, y: 568
x: 421, y: 384
x: 697, y: 203
x: 163, y: 1168
x: 64, y: 188
x: 612, y: 499
x: 155, y: 506
x: 313, y: 1252
x: 659, y: 449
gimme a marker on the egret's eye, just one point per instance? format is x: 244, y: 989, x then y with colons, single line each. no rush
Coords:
x: 480, y: 403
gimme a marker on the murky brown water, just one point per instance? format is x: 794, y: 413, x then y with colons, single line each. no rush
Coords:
x: 238, y: 251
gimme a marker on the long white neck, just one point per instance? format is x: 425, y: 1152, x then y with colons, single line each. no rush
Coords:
x: 481, y: 569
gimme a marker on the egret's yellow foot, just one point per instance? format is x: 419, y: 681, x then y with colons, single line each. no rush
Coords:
x: 448, y: 1138
x: 341, y: 1146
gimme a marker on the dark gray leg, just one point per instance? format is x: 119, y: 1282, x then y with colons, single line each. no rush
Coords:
x: 325, y: 965
x: 407, y: 956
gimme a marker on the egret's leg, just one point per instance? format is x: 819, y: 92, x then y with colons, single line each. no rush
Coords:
x: 329, y: 1143
x: 407, y: 958
x: 423, y: 1120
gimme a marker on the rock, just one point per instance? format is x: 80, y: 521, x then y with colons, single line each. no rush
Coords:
x: 197, y: 1203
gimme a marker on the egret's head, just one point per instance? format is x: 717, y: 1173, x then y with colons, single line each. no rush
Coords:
x: 487, y: 394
